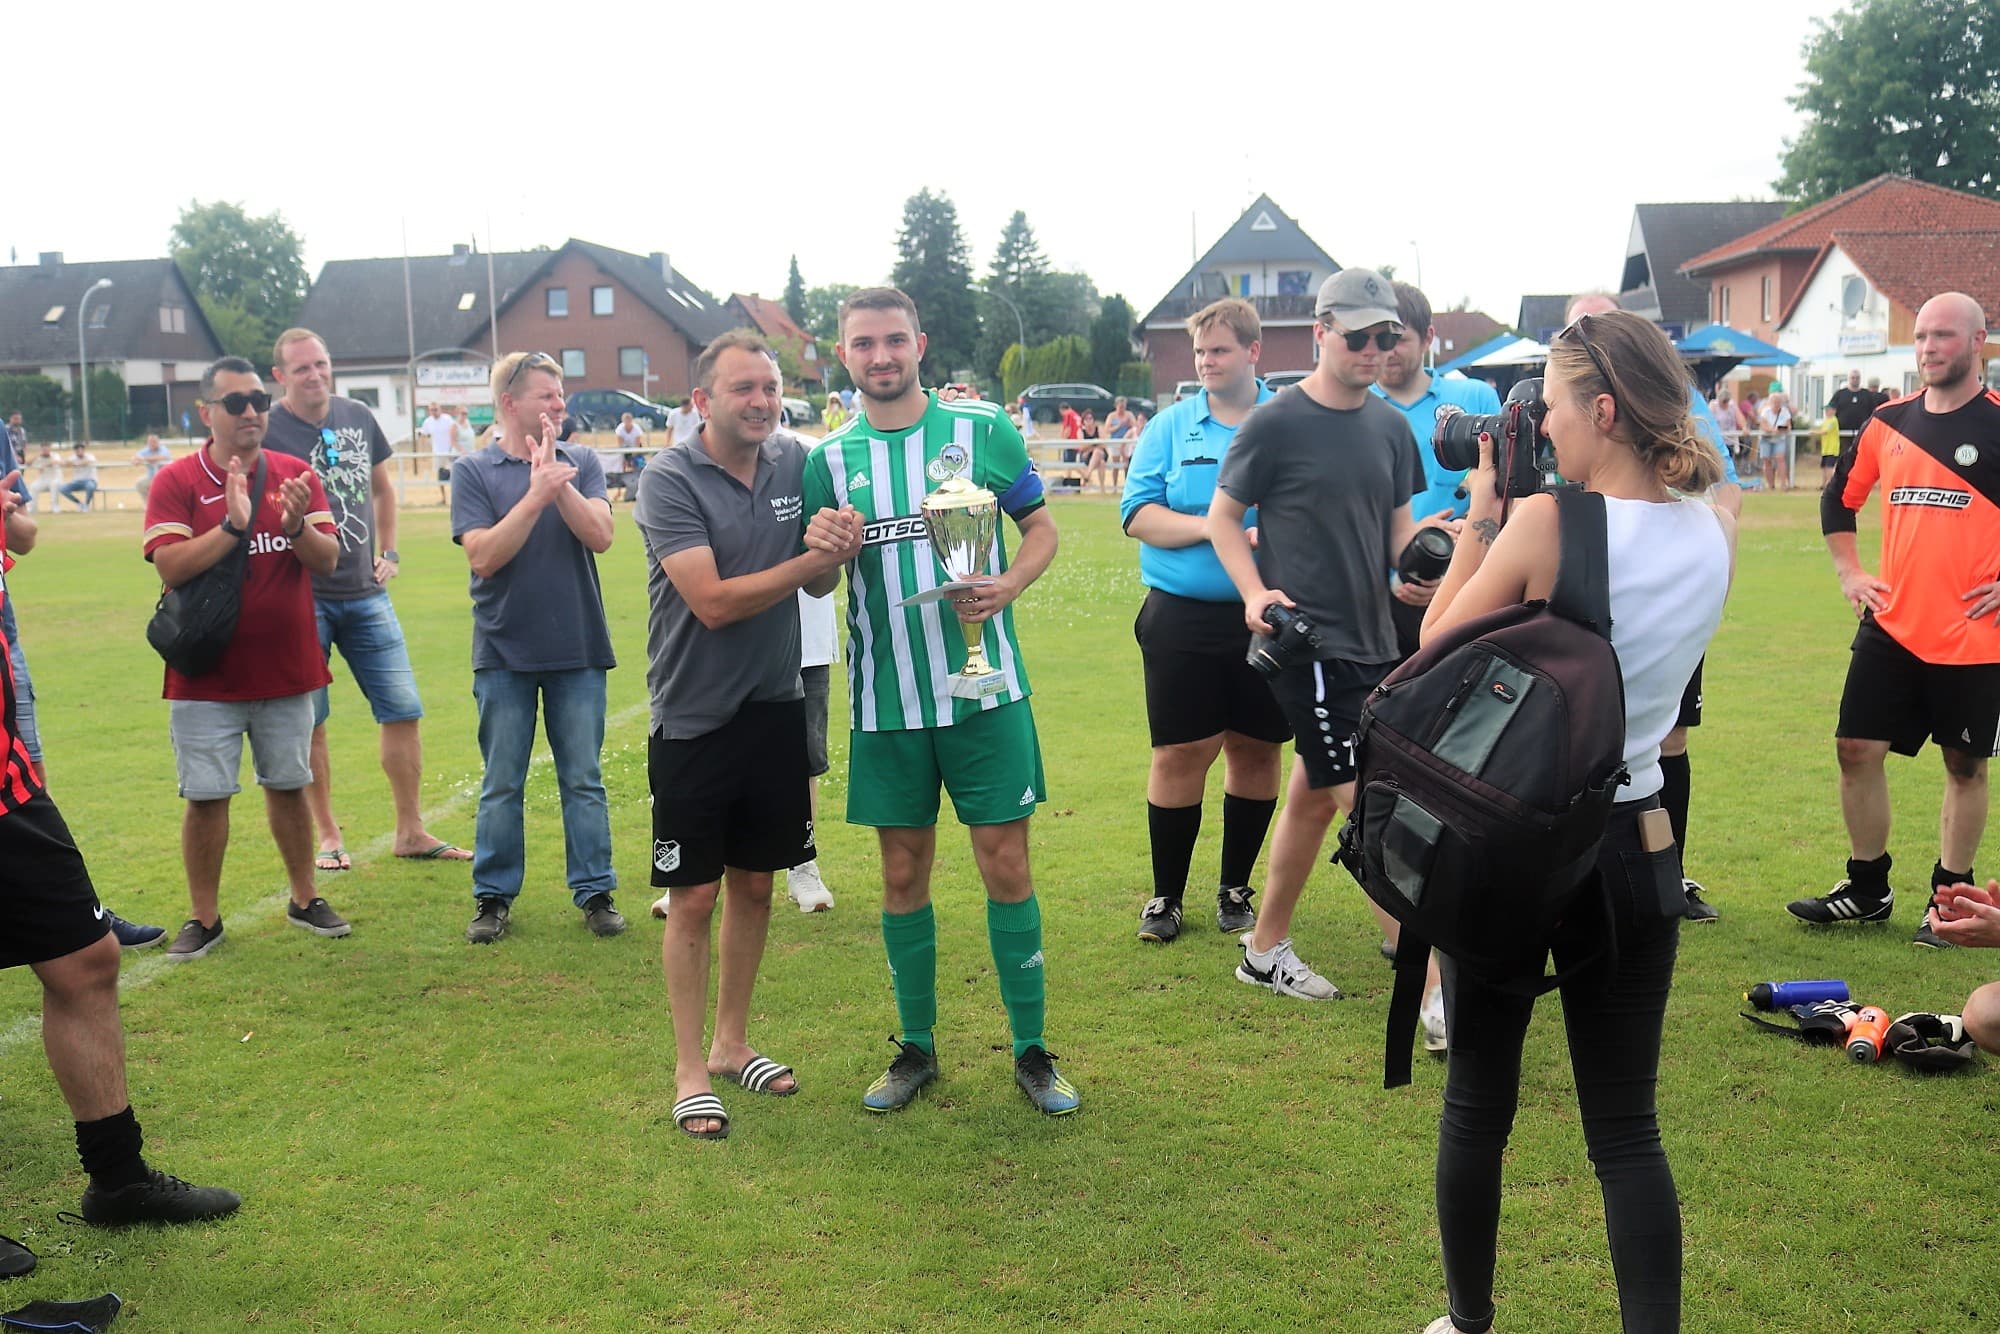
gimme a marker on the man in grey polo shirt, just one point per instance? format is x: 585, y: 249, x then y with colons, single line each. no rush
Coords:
x: 532, y: 516
x: 721, y: 516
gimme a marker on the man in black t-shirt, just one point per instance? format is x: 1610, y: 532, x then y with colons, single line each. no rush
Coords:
x: 1330, y: 468
x: 346, y: 447
x: 1852, y: 407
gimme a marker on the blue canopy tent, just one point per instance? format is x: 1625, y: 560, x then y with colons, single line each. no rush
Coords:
x: 1466, y: 358
x: 1713, y: 350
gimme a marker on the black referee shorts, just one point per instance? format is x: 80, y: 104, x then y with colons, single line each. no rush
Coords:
x: 48, y: 907
x: 739, y: 796
x: 1893, y: 695
x: 1197, y: 682
x: 1690, y: 715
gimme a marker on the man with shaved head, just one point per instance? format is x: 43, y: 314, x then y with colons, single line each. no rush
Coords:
x: 1926, y: 660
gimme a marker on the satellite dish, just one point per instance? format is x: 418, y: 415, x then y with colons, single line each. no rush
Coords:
x: 1853, y: 295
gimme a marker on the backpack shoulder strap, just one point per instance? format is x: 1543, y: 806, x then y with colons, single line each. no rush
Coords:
x: 1583, y: 577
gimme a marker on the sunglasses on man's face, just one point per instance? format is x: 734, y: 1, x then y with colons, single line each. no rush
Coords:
x: 1384, y: 339
x: 257, y: 401
x: 536, y: 361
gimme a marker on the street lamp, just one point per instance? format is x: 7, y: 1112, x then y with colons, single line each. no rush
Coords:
x: 1019, y: 328
x: 83, y: 366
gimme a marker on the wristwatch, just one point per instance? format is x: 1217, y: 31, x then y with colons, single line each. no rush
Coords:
x: 231, y: 528
x: 392, y: 557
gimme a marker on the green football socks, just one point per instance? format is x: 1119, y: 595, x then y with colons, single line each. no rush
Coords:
x: 911, y: 942
x: 1015, y: 932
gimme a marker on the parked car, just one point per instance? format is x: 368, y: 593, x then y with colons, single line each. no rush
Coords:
x: 1186, y: 389
x: 600, y: 409
x: 1277, y: 380
x: 1046, y: 401
x: 799, y: 412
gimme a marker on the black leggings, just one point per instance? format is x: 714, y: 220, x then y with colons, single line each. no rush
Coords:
x: 1613, y: 1017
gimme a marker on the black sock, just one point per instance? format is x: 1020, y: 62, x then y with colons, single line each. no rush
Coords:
x: 1174, y: 830
x: 1674, y: 795
x: 1871, y: 878
x: 110, y: 1150
x: 1245, y: 821
x: 1941, y: 877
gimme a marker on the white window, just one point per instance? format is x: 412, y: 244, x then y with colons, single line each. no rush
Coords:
x: 572, y: 360
x: 100, y: 316
x: 370, y: 398
x: 631, y: 362
x: 1724, y: 298
x: 600, y: 300
x: 1768, y: 311
x: 558, y: 303
x: 55, y: 313
x: 466, y: 302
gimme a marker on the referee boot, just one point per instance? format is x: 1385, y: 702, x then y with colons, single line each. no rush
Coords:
x: 1233, y: 913
x: 1844, y: 904
x: 1160, y: 920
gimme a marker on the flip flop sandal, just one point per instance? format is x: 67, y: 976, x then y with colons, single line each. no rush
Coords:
x: 442, y: 852
x: 701, y: 1107
x: 333, y: 859
x: 758, y: 1074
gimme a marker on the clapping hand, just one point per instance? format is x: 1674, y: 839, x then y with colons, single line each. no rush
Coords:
x: 547, y: 474
x: 294, y: 494
x: 236, y: 496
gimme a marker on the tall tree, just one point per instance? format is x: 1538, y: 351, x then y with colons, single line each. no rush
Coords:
x: 795, y: 295
x: 1111, y: 341
x: 249, y: 273
x: 822, y: 321
x: 1018, y: 266
x: 1904, y: 86
x: 933, y: 267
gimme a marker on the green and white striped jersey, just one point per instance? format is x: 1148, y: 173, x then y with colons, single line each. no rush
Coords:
x: 900, y: 658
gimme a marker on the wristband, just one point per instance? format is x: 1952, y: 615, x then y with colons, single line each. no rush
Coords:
x: 294, y: 532
x: 391, y: 556
x: 230, y: 528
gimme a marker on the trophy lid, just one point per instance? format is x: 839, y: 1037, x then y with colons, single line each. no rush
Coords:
x: 957, y: 493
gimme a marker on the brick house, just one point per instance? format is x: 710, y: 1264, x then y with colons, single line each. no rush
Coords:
x: 1264, y: 257
x: 615, y: 320
x: 147, y: 326
x: 776, y: 324
x: 1665, y: 236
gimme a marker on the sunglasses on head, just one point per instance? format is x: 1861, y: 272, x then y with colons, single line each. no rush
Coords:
x: 535, y: 360
x: 1580, y: 329
x: 1356, y: 340
x: 257, y: 401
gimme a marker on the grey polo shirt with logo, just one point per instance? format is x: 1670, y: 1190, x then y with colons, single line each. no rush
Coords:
x: 698, y: 678
x: 542, y: 611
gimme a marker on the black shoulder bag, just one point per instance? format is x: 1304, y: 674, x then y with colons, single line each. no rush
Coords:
x: 193, y: 624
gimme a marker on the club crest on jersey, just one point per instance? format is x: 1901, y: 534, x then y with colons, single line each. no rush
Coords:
x: 1965, y: 455
x: 666, y: 854
x: 951, y: 461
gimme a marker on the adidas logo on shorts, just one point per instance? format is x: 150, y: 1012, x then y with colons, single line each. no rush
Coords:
x: 1028, y: 797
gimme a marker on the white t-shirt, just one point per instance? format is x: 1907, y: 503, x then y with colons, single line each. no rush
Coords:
x: 819, y: 643
x: 685, y: 421
x: 440, y: 430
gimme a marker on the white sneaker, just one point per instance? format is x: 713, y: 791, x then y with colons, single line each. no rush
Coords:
x: 804, y: 887
x: 660, y: 905
x: 1441, y: 1325
x: 1285, y: 973
x: 1432, y: 1016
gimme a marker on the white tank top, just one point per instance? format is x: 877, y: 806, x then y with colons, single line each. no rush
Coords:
x: 1669, y: 575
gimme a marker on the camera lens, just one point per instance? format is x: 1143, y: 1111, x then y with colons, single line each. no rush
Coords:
x: 1427, y: 556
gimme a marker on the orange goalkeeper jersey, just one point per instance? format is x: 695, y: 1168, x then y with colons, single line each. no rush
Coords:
x: 1940, y: 477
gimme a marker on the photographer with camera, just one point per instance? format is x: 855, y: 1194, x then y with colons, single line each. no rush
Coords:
x: 1617, y: 412
x: 1330, y: 468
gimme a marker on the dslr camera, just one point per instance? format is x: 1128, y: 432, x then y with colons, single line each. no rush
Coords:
x: 1292, y: 640
x: 1522, y: 456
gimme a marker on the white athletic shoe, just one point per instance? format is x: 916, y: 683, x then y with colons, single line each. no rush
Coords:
x: 1285, y: 973
x: 804, y: 887
x: 1432, y: 1016
x: 660, y: 905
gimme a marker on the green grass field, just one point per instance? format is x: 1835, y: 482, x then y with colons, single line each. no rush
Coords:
x: 431, y: 1135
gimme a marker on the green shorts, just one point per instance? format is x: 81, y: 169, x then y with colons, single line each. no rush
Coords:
x: 991, y: 764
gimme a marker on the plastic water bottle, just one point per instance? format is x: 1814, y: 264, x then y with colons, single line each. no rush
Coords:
x: 1784, y: 995
x: 1868, y: 1032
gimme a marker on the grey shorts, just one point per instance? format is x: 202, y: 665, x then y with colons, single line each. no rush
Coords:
x: 208, y: 744
x: 816, y: 681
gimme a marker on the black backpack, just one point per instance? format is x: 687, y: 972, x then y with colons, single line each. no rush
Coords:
x: 1487, y: 767
x: 193, y: 624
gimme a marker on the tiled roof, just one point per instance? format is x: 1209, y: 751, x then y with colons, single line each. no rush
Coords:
x: 1263, y: 232
x: 1887, y: 203
x: 1911, y: 274
x: 129, y: 311
x: 1670, y: 234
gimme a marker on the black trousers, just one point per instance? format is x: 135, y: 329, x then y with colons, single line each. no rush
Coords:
x: 1613, y: 1014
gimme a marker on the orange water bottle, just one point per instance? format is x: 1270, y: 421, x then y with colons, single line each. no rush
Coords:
x: 1867, y: 1030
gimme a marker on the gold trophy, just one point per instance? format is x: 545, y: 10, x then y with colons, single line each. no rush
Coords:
x: 962, y: 519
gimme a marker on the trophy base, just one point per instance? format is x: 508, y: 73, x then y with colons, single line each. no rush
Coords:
x: 976, y: 687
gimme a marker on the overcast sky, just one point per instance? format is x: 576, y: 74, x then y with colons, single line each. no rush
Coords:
x: 1499, y: 148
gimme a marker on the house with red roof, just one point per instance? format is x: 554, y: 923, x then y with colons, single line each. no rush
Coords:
x: 1838, y: 285
x: 769, y: 318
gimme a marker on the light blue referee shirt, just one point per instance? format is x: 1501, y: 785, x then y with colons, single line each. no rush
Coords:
x: 1440, y: 483
x: 1175, y: 464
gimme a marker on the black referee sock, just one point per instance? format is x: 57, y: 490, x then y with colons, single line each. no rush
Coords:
x: 1941, y: 877
x: 1174, y: 830
x: 110, y: 1150
x: 1674, y: 795
x: 1870, y: 878
x: 1245, y: 821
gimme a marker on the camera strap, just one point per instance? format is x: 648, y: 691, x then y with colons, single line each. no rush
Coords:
x: 1582, y: 592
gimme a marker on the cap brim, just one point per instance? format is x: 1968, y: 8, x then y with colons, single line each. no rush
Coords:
x: 1365, y: 317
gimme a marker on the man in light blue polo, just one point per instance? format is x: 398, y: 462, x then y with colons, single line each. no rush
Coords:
x: 1202, y: 698
x: 532, y: 516
x: 1409, y: 386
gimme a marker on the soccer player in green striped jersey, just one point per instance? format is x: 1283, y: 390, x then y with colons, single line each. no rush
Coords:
x: 909, y: 736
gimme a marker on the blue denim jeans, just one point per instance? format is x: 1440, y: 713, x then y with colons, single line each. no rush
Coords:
x: 370, y: 639
x: 572, y: 706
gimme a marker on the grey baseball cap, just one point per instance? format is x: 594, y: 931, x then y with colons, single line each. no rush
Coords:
x: 1358, y: 298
